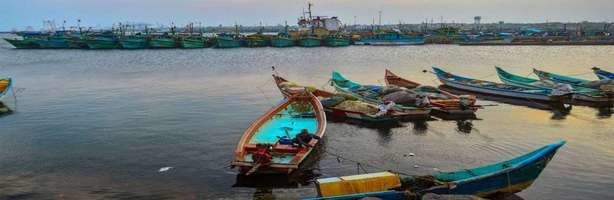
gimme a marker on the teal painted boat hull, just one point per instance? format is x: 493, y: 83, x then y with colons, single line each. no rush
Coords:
x: 77, y: 43
x: 53, y: 43
x: 282, y: 42
x: 576, y: 82
x: 337, y: 42
x: 163, y: 43
x: 133, y: 43
x: 25, y: 43
x: 228, y: 43
x: 193, y: 43
x: 310, y: 42
x: 508, y: 177
x: 102, y: 43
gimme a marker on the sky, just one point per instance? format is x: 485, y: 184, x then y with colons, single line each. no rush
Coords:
x: 19, y: 14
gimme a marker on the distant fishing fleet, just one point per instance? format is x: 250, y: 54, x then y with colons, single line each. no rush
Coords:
x: 312, y: 31
x: 281, y: 139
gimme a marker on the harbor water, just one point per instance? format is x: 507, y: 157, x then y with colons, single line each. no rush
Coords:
x: 99, y: 124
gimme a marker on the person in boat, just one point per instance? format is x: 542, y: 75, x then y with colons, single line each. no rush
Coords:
x: 303, y: 138
x: 383, y: 109
x: 262, y: 155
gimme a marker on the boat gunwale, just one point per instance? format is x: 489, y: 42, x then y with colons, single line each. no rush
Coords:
x: 534, y: 155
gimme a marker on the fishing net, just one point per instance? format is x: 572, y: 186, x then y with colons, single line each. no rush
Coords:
x: 389, y: 89
x: 357, y: 106
x: 291, y: 87
x: 332, y: 101
x: 607, y: 88
x: 301, y: 107
x: 401, y: 97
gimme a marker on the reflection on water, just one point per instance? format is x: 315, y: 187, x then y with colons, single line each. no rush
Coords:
x: 99, y: 124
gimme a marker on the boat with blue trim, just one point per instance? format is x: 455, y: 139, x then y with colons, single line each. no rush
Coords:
x: 499, y: 89
x: 602, y: 74
x: 580, y: 93
x: 493, y: 180
x: 268, y: 145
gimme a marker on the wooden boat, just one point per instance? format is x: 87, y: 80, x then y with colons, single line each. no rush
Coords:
x: 272, y: 131
x: 441, y: 101
x: 343, y: 85
x: 288, y: 89
x: 557, y: 78
x: 581, y: 93
x: 499, y: 89
x: 5, y: 87
x: 602, y: 74
x: 498, y: 179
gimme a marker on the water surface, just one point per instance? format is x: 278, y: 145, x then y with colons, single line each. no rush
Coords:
x: 99, y: 124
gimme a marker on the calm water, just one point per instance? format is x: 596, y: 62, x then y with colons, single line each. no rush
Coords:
x: 99, y: 124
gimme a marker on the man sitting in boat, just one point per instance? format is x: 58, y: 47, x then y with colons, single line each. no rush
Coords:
x: 384, y: 108
x: 303, y: 138
x: 262, y: 155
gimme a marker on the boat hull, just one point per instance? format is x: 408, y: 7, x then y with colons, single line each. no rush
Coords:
x: 133, y: 43
x: 77, y: 43
x: 191, y: 43
x: 228, y: 43
x: 513, y: 178
x: 106, y: 43
x: 53, y: 43
x: 256, y: 42
x: 584, y: 94
x: 163, y: 43
x: 450, y: 106
x: 310, y: 42
x: 282, y: 42
x: 400, y: 42
x: 337, y: 42
x: 23, y: 44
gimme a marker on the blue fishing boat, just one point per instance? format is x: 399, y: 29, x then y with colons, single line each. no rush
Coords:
x: 266, y: 147
x: 371, y: 94
x: 498, y: 179
x: 575, y: 82
x: 602, y: 74
x: 390, y: 38
x: 499, y: 89
x: 580, y: 93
